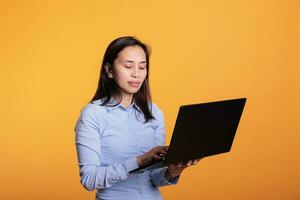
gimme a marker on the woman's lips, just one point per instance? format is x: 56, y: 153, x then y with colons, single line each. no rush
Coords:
x: 134, y: 84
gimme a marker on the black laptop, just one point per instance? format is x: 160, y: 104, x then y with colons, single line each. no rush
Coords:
x: 201, y: 130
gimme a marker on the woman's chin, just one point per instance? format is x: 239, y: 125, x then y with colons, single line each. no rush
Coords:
x: 132, y: 90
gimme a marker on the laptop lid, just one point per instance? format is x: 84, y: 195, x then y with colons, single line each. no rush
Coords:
x: 204, y: 129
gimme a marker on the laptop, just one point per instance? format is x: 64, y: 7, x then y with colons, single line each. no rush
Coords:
x: 201, y: 130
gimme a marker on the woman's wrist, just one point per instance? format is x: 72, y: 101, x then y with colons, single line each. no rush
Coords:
x: 140, y: 161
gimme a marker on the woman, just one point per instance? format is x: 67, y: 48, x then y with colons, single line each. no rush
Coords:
x: 120, y: 129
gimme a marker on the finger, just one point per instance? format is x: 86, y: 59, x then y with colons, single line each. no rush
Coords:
x: 164, y: 151
x: 189, y: 163
x: 195, y: 161
x: 178, y: 165
x: 157, y: 157
x: 183, y: 166
x: 161, y: 155
x: 165, y: 148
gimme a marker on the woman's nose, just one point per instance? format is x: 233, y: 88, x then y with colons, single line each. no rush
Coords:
x: 135, y: 72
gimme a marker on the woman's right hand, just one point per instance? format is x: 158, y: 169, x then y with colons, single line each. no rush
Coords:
x: 155, y: 153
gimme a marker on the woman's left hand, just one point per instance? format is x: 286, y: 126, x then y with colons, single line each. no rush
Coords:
x: 176, y: 169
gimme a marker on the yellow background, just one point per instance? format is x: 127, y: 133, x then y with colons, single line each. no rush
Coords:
x: 50, y: 54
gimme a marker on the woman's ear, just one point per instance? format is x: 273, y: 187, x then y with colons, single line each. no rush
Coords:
x: 108, y: 70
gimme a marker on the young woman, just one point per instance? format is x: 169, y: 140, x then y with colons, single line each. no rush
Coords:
x: 121, y: 129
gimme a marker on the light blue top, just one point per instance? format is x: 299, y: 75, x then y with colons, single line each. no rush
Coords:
x: 108, y: 140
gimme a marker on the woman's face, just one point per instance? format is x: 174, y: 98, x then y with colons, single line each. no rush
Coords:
x: 129, y: 70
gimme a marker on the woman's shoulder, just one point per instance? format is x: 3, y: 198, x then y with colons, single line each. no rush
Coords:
x: 156, y: 110
x: 93, y: 107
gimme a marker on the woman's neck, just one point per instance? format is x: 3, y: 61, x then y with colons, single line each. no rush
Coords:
x: 126, y: 99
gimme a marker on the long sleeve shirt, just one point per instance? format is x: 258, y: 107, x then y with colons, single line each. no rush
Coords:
x: 108, y: 141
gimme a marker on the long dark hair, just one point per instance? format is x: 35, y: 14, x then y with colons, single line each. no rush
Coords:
x: 107, y: 86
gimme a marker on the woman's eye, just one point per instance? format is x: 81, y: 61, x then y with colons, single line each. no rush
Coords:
x: 128, y: 67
